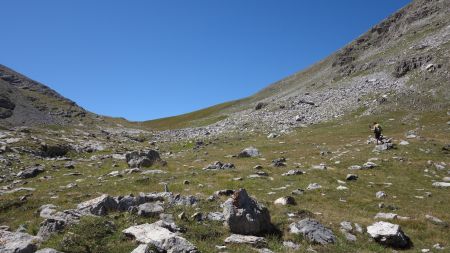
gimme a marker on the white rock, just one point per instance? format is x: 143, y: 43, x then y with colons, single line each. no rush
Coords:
x: 386, y: 216
x: 160, y: 237
x: 313, y: 186
x: 441, y: 184
x: 254, y: 241
x: 403, y: 143
x: 284, y: 201
x: 388, y: 234
x: 380, y: 194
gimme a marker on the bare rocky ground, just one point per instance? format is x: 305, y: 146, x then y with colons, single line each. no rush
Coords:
x: 290, y: 169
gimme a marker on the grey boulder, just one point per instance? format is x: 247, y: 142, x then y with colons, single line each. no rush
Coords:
x: 150, y: 210
x: 31, y: 172
x: 313, y: 231
x: 161, y: 238
x: 245, y: 216
x: 17, y: 242
x: 146, y: 158
x: 249, y: 152
x: 98, y: 206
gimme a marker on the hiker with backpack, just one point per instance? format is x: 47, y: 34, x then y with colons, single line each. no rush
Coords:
x: 376, y: 128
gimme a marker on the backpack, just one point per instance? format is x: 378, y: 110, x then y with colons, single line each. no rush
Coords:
x: 378, y: 129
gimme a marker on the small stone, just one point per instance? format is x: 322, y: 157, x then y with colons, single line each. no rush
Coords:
x: 298, y: 192
x: 436, y: 220
x: 313, y: 186
x: 291, y: 245
x: 380, y: 195
x: 258, y: 167
x: 351, y: 177
x: 198, y: 216
x: 254, y: 241
x: 369, y: 165
x: 441, y: 184
x: 386, y: 216
x: 341, y: 188
x: 293, y: 173
x: 354, y: 167
x: 288, y: 200
x: 346, y: 225
x: 403, y: 143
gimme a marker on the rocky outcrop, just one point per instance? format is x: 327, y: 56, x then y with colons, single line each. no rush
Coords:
x: 245, y: 216
x: 6, y: 107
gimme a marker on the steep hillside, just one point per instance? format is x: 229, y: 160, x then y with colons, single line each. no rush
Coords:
x: 27, y: 102
x: 401, y: 63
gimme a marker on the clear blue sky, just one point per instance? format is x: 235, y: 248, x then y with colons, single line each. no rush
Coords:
x: 144, y: 59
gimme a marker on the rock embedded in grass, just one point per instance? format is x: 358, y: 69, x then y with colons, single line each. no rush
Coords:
x: 249, y: 152
x: 253, y: 241
x: 145, y: 158
x: 18, y: 242
x: 162, y: 236
x: 217, y: 165
x: 313, y: 231
x: 245, y: 216
x: 284, y: 201
x: 441, y: 184
x: 351, y: 177
x: 389, y: 234
x: 149, y: 210
x: 48, y: 250
x: 313, y: 186
x: 380, y: 195
x: 31, y: 172
x: 98, y: 206
x: 293, y: 173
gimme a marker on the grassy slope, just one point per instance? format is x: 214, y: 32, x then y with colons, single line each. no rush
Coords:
x: 198, y: 118
x: 303, y: 147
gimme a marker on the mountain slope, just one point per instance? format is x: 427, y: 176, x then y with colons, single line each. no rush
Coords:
x: 27, y: 102
x: 400, y: 63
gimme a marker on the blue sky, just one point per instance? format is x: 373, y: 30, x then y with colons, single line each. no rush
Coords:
x: 144, y: 59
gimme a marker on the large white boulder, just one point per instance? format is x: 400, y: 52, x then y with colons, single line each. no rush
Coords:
x: 388, y: 234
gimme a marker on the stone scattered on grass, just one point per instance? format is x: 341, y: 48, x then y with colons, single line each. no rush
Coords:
x: 388, y: 234
x: 253, y: 241
x: 313, y: 231
x: 245, y: 216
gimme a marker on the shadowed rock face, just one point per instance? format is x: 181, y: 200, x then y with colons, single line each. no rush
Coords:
x: 245, y: 216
